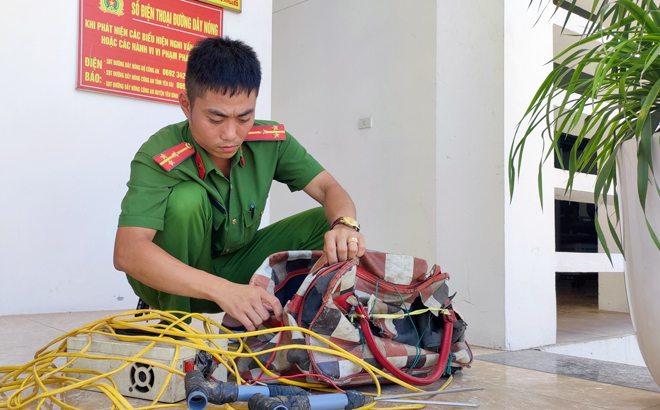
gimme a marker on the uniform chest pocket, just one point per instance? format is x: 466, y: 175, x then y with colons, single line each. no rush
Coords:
x: 219, y: 213
x: 252, y: 219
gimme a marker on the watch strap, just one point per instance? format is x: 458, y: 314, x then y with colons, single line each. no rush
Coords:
x: 344, y: 220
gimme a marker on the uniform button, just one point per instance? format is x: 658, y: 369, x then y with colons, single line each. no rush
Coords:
x: 233, y: 222
x: 226, y: 250
x: 231, y: 186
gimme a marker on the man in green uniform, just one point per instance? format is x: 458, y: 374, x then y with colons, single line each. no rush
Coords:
x: 187, y: 236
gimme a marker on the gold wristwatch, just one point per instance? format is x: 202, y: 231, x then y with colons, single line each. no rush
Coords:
x: 348, y: 221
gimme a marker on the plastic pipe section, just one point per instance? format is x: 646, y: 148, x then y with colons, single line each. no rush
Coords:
x: 200, y: 392
x: 334, y: 401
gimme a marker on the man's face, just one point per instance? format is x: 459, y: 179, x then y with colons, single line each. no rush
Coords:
x: 219, y: 123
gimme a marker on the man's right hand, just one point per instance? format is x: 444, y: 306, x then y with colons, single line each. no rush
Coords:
x: 248, y: 304
x: 138, y: 256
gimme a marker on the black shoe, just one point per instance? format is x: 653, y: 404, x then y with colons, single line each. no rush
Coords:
x: 141, y: 305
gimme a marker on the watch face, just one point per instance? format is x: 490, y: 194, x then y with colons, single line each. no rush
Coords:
x: 350, y: 222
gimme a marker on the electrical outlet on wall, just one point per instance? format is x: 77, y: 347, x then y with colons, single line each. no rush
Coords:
x: 365, y: 123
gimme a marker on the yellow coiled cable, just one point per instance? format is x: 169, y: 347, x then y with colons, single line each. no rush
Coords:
x: 43, y: 381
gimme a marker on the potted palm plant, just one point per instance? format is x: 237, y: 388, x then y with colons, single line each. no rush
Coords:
x: 618, y: 108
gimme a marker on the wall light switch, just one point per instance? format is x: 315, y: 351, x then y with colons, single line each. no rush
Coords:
x: 365, y: 123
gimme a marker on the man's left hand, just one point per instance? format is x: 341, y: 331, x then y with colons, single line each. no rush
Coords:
x: 342, y: 243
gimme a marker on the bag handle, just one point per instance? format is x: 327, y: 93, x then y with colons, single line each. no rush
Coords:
x: 321, y: 263
x: 443, y: 357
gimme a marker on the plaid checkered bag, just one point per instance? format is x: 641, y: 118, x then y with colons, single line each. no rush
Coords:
x: 393, y: 311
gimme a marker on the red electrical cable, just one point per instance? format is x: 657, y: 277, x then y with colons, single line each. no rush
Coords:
x: 398, y: 373
x: 271, y: 358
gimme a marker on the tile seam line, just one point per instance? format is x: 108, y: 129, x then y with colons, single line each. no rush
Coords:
x: 47, y: 325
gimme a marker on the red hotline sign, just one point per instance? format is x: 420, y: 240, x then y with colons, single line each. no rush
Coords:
x: 136, y: 49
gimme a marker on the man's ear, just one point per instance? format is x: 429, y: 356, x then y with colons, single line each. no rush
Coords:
x: 184, y: 102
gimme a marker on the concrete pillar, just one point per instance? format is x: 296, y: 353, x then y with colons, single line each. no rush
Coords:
x: 612, y: 294
x: 490, y: 60
x: 530, y: 301
x: 470, y: 194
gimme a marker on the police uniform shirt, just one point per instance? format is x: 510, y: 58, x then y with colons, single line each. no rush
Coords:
x: 172, y: 156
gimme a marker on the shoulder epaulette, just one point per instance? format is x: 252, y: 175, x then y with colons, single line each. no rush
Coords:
x: 172, y: 157
x: 266, y: 133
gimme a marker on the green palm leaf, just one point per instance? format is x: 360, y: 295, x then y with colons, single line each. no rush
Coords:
x: 622, y: 95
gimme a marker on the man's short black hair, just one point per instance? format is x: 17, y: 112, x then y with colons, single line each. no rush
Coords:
x: 222, y: 65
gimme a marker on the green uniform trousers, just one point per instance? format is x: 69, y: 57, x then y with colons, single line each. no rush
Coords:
x: 188, y: 234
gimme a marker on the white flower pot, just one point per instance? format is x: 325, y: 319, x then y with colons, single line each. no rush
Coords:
x: 642, y: 268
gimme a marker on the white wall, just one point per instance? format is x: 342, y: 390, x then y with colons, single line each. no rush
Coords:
x: 490, y: 60
x: 530, y: 300
x: 612, y: 292
x: 470, y: 193
x: 67, y: 155
x: 337, y: 61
